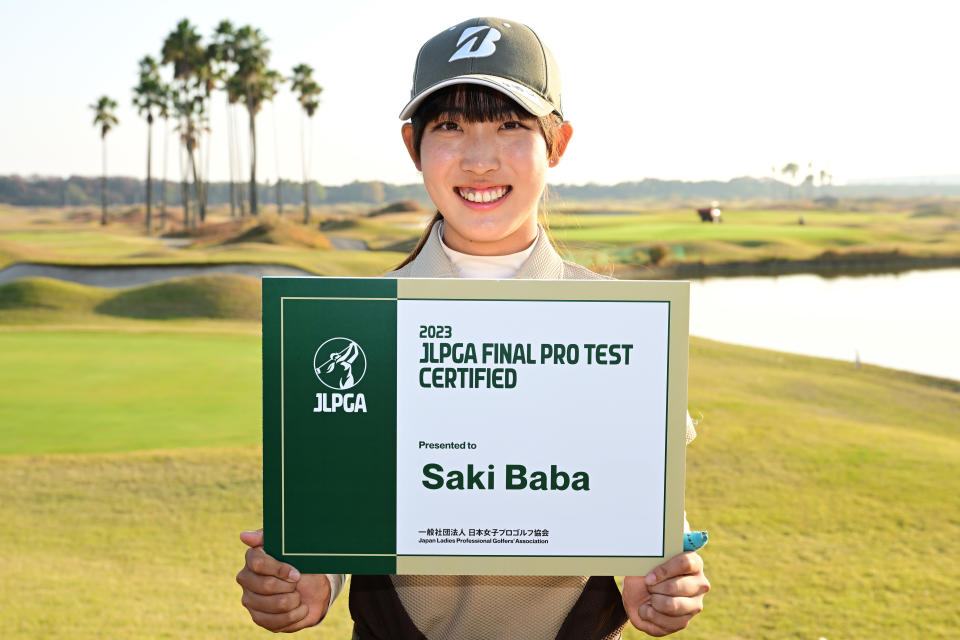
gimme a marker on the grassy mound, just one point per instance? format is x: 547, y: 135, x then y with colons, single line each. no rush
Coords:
x: 210, y: 296
x: 400, y: 206
x: 48, y: 293
x: 208, y: 230
x: 222, y: 295
x: 82, y: 215
x: 280, y: 232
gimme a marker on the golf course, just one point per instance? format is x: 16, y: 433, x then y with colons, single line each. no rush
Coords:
x: 130, y: 419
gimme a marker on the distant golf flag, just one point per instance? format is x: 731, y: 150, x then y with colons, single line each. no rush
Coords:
x: 473, y: 426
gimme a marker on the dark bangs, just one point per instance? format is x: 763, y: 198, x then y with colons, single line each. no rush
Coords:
x: 472, y: 102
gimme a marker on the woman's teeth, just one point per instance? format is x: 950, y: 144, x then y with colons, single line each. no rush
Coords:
x: 482, y: 195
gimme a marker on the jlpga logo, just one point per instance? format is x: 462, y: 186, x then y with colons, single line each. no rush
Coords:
x: 340, y: 364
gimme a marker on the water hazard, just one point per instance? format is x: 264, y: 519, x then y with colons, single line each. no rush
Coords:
x: 905, y: 321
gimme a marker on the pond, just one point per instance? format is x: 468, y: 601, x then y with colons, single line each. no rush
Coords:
x: 906, y: 321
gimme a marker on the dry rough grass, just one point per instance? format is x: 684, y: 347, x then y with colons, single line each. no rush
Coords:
x: 831, y: 496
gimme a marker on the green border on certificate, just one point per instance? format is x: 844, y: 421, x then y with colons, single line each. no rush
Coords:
x: 454, y: 426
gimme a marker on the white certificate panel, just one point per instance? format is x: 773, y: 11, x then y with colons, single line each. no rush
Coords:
x: 534, y: 428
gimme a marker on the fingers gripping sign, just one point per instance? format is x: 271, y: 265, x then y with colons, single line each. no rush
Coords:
x: 667, y: 598
x: 278, y: 597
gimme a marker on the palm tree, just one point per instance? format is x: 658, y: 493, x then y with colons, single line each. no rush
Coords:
x: 303, y: 84
x: 791, y: 169
x: 207, y: 78
x: 183, y: 50
x: 164, y: 109
x: 276, y: 156
x: 192, y: 126
x: 253, y: 83
x: 105, y: 119
x: 808, y: 181
x: 149, y: 94
x: 220, y: 53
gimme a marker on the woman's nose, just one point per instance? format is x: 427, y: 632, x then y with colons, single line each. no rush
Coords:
x: 481, y: 155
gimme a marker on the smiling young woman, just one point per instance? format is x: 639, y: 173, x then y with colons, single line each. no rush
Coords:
x: 485, y: 126
x: 484, y: 162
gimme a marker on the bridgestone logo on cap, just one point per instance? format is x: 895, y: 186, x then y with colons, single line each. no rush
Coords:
x: 486, y: 48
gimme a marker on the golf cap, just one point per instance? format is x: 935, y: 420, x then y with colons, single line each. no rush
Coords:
x: 504, y: 55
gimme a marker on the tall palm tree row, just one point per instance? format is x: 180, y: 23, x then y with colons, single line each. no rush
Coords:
x: 236, y: 60
x: 104, y: 117
x: 308, y: 94
x: 149, y: 95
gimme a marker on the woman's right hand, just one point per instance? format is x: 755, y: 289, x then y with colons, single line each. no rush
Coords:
x: 278, y: 597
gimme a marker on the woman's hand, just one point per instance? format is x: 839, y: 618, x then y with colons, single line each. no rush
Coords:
x: 278, y: 597
x: 667, y: 598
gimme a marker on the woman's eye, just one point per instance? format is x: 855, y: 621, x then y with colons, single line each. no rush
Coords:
x: 448, y: 126
x: 513, y: 124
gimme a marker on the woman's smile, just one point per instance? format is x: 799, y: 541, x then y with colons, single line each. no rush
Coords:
x: 486, y: 178
x: 490, y: 195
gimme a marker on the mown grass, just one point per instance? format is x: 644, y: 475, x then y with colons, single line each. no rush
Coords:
x: 85, y: 391
x: 747, y: 235
x: 101, y: 249
x: 134, y: 545
x: 831, y: 494
x: 62, y: 239
x: 206, y: 296
x: 754, y: 235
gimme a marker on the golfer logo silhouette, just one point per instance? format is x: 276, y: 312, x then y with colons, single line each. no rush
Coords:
x: 339, y: 363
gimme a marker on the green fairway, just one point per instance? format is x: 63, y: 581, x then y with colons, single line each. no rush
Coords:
x: 897, y: 229
x: 83, y: 242
x: 83, y: 391
x: 62, y: 239
x: 831, y: 494
x: 753, y: 235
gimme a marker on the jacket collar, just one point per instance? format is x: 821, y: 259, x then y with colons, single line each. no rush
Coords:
x: 432, y: 261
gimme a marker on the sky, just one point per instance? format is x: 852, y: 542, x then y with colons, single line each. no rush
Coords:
x: 689, y: 90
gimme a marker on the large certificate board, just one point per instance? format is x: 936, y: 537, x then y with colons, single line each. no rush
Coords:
x: 452, y: 426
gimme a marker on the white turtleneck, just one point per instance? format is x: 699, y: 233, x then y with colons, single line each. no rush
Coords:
x: 493, y: 267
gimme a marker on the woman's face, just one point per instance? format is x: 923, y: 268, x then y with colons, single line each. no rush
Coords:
x: 486, y: 178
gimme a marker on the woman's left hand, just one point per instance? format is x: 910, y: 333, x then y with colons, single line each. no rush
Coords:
x: 667, y: 598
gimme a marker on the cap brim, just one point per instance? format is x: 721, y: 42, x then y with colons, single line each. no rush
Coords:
x: 525, y: 96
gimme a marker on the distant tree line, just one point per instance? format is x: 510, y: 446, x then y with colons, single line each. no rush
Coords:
x: 84, y: 191
x: 38, y: 191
